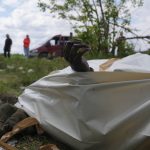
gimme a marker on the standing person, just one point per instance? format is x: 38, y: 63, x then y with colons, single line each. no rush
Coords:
x: 121, y: 45
x: 71, y: 36
x: 26, y: 44
x: 7, y: 46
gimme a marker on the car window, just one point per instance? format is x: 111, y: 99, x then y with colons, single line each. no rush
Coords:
x: 52, y: 42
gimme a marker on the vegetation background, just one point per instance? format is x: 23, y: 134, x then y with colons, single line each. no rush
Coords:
x: 16, y: 73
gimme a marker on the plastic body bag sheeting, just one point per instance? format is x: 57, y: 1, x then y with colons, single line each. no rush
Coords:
x: 93, y: 111
x: 132, y: 63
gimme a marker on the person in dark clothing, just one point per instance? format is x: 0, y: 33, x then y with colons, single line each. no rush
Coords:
x: 7, y: 46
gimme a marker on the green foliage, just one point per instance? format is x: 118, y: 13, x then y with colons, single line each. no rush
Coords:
x: 3, y: 87
x: 127, y: 50
x: 19, y: 72
x: 89, y: 37
x: 146, y: 52
x: 96, y: 22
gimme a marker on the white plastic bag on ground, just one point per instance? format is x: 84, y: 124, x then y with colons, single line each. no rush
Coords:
x: 92, y: 110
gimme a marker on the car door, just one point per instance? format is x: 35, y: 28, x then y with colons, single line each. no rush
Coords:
x: 55, y: 48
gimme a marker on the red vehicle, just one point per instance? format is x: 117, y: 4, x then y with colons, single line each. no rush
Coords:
x: 51, y: 48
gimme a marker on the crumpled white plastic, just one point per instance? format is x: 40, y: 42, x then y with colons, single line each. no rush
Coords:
x: 94, y: 110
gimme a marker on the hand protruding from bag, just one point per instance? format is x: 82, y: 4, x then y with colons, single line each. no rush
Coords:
x: 73, y: 53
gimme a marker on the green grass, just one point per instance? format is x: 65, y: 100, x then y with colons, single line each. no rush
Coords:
x: 19, y: 72
x: 27, y: 142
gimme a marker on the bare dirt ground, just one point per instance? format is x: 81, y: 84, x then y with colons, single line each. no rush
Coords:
x: 32, y: 142
x: 8, y: 99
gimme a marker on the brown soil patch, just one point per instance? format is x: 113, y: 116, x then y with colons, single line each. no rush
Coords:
x: 32, y: 142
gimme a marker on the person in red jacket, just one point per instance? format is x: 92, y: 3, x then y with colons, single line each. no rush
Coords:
x: 26, y: 44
